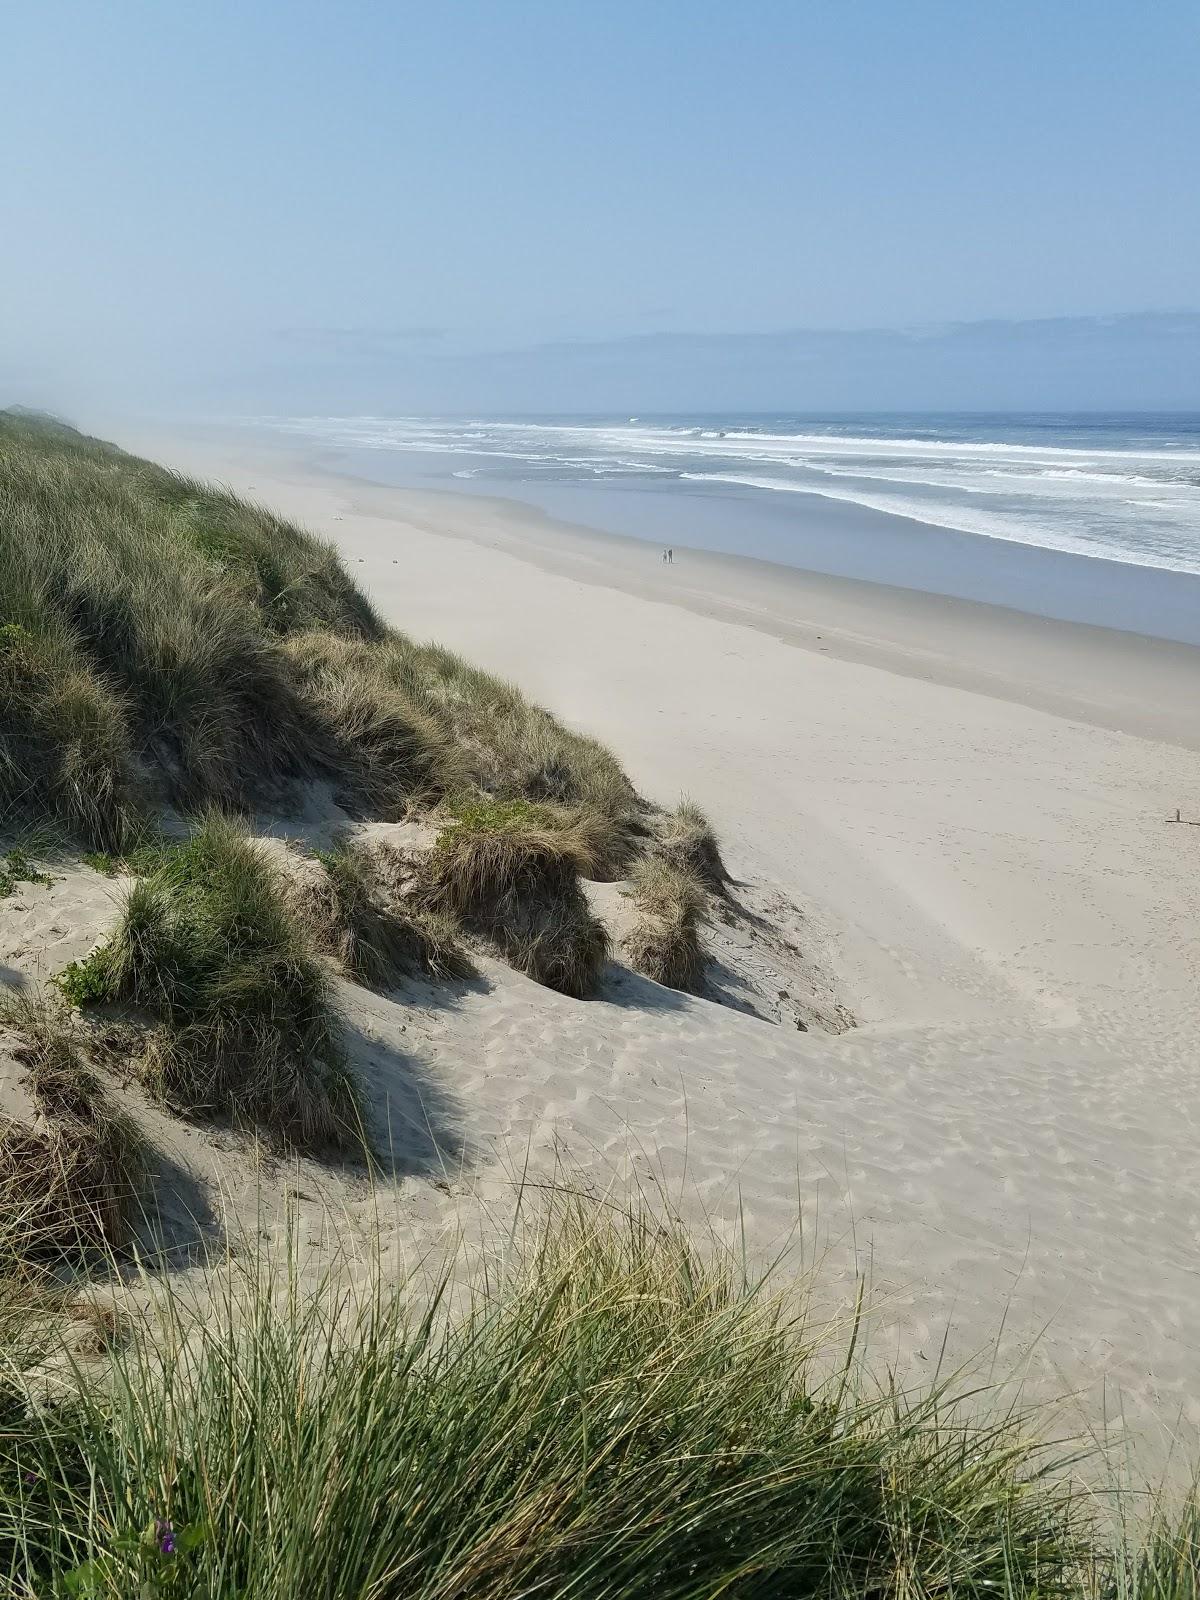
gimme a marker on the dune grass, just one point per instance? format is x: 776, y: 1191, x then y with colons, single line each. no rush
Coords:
x: 509, y: 873
x: 162, y: 639
x: 613, y: 1415
x: 208, y: 947
x: 687, y: 841
x: 664, y: 942
x: 70, y: 1183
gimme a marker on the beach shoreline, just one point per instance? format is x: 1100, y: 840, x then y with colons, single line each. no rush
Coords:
x: 970, y: 809
x: 1108, y: 677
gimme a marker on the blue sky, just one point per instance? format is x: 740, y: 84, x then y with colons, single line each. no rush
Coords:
x: 206, y: 191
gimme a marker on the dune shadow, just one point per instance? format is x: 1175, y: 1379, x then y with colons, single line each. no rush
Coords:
x: 621, y: 986
x: 178, y: 1226
x: 13, y: 977
x: 415, y: 1127
x: 728, y: 988
x: 436, y: 994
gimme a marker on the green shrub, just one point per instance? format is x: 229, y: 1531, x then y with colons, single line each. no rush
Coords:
x: 16, y: 868
x: 664, y: 943
x: 500, y: 872
x: 208, y: 945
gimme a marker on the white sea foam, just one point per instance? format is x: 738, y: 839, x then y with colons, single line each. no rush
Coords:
x: 1061, y: 494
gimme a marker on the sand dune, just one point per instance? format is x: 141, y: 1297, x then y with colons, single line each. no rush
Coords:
x: 1007, y: 1136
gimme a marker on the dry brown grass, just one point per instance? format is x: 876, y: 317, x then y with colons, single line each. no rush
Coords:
x: 664, y: 943
x: 686, y: 840
x: 70, y: 1182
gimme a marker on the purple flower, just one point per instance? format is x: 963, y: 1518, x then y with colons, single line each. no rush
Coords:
x: 165, y: 1534
x: 30, y: 1479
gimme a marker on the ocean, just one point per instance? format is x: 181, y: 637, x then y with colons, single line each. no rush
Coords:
x: 936, y: 502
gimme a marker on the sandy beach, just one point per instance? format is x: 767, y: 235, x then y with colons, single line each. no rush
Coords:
x: 969, y: 808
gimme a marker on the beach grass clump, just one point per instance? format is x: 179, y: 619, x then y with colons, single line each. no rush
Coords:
x: 514, y: 750
x: 390, y: 751
x: 616, y: 1415
x: 664, y: 942
x: 687, y: 840
x: 373, y: 937
x: 509, y: 873
x: 209, y: 947
x: 69, y: 1183
x: 164, y: 641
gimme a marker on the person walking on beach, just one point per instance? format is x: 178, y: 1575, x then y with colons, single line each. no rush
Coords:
x: 670, y: 557
x: 664, y: 558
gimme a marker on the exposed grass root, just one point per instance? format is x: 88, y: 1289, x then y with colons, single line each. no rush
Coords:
x: 69, y: 1183
x: 209, y: 947
x: 688, y: 842
x: 664, y: 943
x: 375, y: 937
x: 506, y: 873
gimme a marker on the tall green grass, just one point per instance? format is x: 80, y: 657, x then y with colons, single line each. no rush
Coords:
x: 615, y: 1416
x: 611, y: 1414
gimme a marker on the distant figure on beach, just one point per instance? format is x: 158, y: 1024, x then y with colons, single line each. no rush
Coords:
x: 664, y: 557
x: 670, y: 557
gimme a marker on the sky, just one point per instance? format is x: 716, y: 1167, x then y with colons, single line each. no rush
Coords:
x: 281, y: 203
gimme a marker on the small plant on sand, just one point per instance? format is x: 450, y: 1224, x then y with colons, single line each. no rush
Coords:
x: 70, y: 1182
x: 664, y: 943
x: 208, y: 945
x: 686, y: 839
x: 17, y: 868
x: 100, y: 861
x: 504, y: 871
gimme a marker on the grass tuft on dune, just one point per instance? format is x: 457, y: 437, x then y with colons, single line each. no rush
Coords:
x: 509, y: 873
x: 70, y: 1183
x: 664, y: 942
x: 208, y: 947
x: 688, y: 842
x: 353, y: 919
